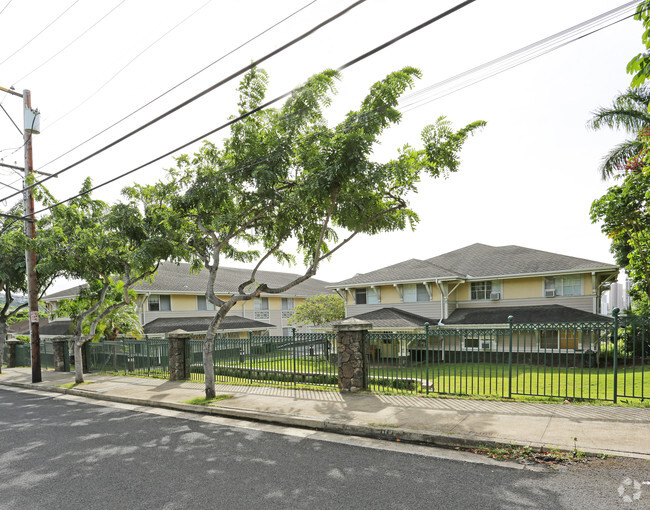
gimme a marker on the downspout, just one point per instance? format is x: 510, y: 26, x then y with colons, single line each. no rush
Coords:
x: 442, y: 304
x: 440, y: 323
x: 594, y: 293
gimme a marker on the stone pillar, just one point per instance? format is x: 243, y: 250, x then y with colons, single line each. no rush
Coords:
x: 351, y: 346
x: 179, y: 364
x: 61, y: 354
x: 11, y: 352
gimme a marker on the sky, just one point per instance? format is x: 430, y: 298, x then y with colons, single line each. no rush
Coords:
x: 528, y: 178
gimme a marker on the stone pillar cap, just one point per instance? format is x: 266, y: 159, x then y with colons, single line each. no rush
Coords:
x: 353, y: 324
x: 179, y: 333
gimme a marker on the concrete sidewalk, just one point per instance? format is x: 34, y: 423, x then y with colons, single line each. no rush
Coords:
x: 445, y: 422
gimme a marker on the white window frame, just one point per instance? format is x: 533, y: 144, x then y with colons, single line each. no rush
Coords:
x: 207, y: 305
x: 156, y: 298
x: 480, y: 344
x: 286, y: 301
x: 494, y: 286
x: 557, y: 349
x: 261, y: 304
x: 412, y: 292
x: 372, y: 295
x: 559, y: 284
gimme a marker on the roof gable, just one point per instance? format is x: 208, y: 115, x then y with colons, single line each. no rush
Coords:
x: 478, y: 261
x: 481, y: 260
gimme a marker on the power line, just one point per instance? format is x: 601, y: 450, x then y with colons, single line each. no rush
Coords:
x: 70, y: 43
x: 127, y: 65
x: 43, y: 30
x: 413, y: 105
x: 527, y: 53
x: 180, y: 83
x: 259, y: 108
x: 206, y: 91
x: 404, y: 109
x: 7, y: 5
x: 11, y: 119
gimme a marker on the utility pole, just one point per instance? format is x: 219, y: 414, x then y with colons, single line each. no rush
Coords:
x: 31, y: 127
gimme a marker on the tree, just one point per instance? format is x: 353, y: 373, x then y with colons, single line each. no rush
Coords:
x: 13, y: 271
x: 629, y: 111
x: 625, y: 218
x: 121, y: 321
x: 285, y: 181
x: 319, y: 310
x: 639, y: 66
x: 110, y: 247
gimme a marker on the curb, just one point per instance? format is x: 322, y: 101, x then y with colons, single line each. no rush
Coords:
x: 441, y: 440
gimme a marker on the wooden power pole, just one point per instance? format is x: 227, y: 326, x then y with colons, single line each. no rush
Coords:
x: 31, y: 127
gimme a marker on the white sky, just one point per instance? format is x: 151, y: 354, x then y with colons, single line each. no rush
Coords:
x: 527, y: 179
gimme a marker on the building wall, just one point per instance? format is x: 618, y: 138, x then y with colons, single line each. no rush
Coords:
x: 183, y: 305
x: 514, y: 292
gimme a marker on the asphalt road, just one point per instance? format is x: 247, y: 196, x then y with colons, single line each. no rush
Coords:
x: 63, y: 452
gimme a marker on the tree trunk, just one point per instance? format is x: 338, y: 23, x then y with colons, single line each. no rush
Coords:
x: 208, y: 347
x: 3, y: 337
x: 78, y: 361
x: 208, y: 368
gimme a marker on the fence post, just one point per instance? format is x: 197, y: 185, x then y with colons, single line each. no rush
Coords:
x: 510, y: 321
x: 352, y: 361
x: 146, y: 340
x: 250, y: 356
x: 293, y: 342
x: 12, y: 356
x: 426, y: 349
x: 615, y: 313
x: 179, y: 367
x: 61, y: 359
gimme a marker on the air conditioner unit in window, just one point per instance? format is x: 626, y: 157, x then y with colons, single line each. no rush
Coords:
x: 495, y: 296
x: 549, y: 293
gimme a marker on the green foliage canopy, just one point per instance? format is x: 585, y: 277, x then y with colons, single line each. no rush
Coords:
x: 639, y: 66
x: 625, y: 218
x: 318, y: 310
x: 285, y: 184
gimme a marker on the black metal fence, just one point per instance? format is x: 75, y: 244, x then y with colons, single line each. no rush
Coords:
x: 606, y: 360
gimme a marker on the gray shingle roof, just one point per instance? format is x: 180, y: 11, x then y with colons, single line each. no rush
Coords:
x: 172, y: 278
x: 192, y: 324
x: 386, y: 318
x: 521, y: 314
x: 480, y: 260
x: 409, y: 270
x: 45, y: 327
x: 477, y: 261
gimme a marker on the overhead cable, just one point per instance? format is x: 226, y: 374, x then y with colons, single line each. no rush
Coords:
x: 179, y: 84
x: 42, y: 30
x: 204, y: 92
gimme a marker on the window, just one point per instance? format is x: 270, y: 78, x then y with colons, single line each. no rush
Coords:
x: 483, y: 290
x: 287, y: 303
x: 415, y: 292
x: 548, y: 339
x: 563, y: 286
x: 479, y: 344
x: 559, y: 339
x: 160, y: 303
x: 366, y: 296
x: 261, y: 304
x: 203, y: 304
